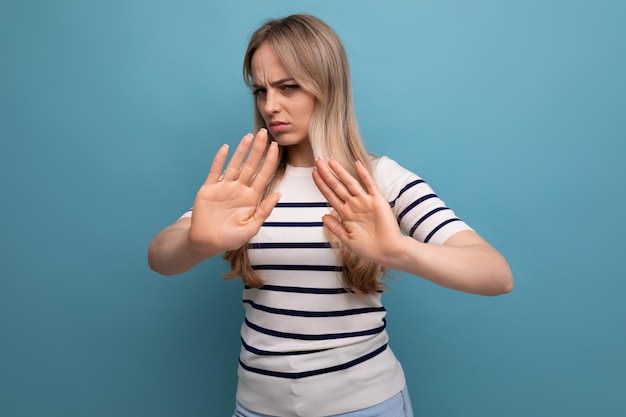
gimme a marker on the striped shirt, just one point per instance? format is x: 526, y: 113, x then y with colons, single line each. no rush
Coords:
x: 311, y: 347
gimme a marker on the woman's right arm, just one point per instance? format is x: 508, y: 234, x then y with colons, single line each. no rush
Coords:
x: 172, y: 253
x: 227, y: 212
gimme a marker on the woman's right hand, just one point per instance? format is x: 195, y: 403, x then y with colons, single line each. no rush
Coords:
x: 228, y: 210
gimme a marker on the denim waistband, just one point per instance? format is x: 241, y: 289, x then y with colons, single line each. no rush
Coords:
x: 397, y: 406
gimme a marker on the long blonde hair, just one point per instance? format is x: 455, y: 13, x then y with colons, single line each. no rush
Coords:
x: 314, y: 56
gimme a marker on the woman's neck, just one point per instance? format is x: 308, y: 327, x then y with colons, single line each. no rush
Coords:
x: 300, y: 155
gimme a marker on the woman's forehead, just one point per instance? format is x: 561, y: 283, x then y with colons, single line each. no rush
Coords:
x: 266, y: 66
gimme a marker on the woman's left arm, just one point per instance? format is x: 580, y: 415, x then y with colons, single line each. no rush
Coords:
x: 366, y: 224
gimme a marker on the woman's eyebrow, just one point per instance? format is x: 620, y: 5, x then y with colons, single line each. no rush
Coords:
x: 281, y: 81
x: 275, y: 83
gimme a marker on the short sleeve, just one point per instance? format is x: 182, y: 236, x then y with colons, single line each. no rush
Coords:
x: 421, y: 214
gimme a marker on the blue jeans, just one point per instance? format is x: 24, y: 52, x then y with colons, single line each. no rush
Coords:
x: 397, y: 406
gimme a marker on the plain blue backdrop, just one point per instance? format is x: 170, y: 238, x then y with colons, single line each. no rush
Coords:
x: 112, y: 110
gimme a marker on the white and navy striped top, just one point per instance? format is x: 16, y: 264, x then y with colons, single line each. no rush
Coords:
x: 310, y: 347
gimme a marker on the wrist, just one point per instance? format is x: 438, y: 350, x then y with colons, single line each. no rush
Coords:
x: 200, y: 250
x: 397, y: 257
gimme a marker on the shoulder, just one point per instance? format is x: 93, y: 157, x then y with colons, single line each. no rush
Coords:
x: 390, y: 176
x: 384, y: 167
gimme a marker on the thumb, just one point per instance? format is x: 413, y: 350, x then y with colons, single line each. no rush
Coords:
x: 266, y: 206
x: 335, y: 226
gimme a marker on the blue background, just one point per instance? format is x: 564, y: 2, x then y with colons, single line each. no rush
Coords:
x: 111, y: 112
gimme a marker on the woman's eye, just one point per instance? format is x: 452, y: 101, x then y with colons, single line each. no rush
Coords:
x: 258, y: 91
x: 290, y: 87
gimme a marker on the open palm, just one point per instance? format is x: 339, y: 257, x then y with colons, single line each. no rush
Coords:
x: 228, y: 209
x: 364, y: 221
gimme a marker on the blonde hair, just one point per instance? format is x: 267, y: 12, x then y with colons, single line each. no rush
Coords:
x: 314, y: 56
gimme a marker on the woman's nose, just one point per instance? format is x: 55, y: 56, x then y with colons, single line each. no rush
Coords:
x: 272, y: 104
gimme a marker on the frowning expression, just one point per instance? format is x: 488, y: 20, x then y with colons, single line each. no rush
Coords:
x: 285, y: 107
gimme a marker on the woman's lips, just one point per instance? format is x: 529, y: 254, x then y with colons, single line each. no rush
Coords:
x: 278, y: 127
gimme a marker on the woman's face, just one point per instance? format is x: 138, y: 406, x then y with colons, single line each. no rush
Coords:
x: 285, y: 107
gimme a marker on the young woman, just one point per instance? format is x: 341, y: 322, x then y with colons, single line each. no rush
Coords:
x: 310, y: 220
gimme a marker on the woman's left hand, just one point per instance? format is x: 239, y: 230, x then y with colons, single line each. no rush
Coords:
x: 365, y: 223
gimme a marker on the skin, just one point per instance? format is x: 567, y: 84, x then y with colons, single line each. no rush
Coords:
x: 227, y: 211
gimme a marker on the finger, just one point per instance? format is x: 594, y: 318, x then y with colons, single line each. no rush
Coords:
x: 349, y: 182
x: 335, y: 227
x: 368, y: 180
x: 268, y: 167
x: 319, y: 174
x: 332, y: 181
x: 251, y: 166
x: 217, y: 165
x: 265, y: 207
x: 234, y: 166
